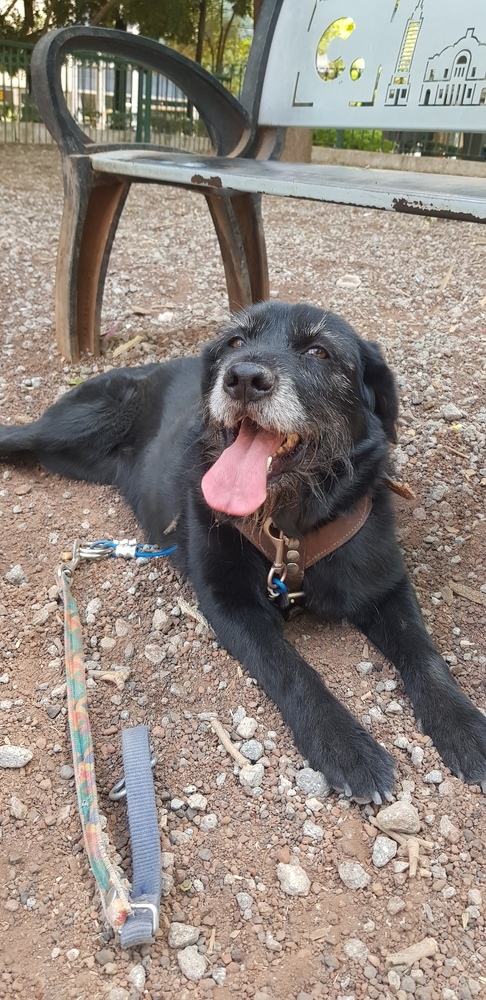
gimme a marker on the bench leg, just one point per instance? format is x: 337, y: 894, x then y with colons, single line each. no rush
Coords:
x: 90, y: 217
x: 238, y: 224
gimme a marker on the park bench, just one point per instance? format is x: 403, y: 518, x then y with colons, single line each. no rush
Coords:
x: 393, y: 65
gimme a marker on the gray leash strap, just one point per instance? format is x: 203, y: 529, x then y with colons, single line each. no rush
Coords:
x: 141, y: 925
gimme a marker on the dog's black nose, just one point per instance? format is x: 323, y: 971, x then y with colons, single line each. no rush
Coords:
x: 248, y: 381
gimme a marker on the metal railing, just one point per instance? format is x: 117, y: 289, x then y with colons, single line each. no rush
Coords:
x: 461, y: 145
x: 112, y: 100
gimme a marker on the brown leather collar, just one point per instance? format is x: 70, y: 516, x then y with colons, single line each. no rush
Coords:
x: 290, y: 557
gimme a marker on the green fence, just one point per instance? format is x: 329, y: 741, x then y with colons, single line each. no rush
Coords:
x: 462, y: 145
x: 112, y: 100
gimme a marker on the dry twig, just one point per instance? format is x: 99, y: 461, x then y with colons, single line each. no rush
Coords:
x: 228, y: 745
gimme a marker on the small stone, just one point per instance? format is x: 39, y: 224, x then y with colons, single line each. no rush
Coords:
x: 66, y: 772
x: 136, y: 977
x: 118, y: 993
x: 16, y: 576
x: 395, y: 905
x: 197, y: 801
x: 94, y: 606
x: 107, y: 643
x: 393, y: 708
x: 219, y: 975
x: 312, y: 782
x: 251, y: 776
x: 122, y: 628
x: 475, y: 898
x: 53, y: 711
x: 364, y: 667
x: 105, y: 956
x: 433, y: 778
x: 401, y: 817
x: 449, y: 831
x: 452, y: 412
x: 356, y: 950
x: 182, y: 935
x: 348, y: 281
x: 208, y: 822
x: 18, y: 809
x: 12, y: 756
x: 417, y: 756
x: 293, y: 880
x: 72, y: 954
x: 154, y: 653
x: 245, y: 903
x: 160, y: 618
x: 312, y: 830
x: 353, y: 875
x: 246, y: 728
x: 393, y: 979
x: 191, y: 963
x: 252, y: 749
x: 384, y: 850
x: 408, y: 984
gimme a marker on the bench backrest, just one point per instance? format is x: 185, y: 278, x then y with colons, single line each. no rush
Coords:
x: 390, y: 64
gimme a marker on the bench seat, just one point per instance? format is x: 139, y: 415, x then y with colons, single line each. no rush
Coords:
x: 398, y: 190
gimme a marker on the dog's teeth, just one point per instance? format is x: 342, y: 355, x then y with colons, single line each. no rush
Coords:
x: 269, y: 462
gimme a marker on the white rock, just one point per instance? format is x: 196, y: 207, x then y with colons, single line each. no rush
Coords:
x: 417, y: 756
x: 448, y: 830
x: 252, y: 749
x: 353, y: 875
x: 293, y: 880
x: 197, y: 801
x: 208, y: 822
x: 136, y: 977
x: 72, y: 954
x: 191, y: 963
x: 475, y: 898
x: 364, y: 667
x: 182, y: 935
x: 312, y: 782
x: 18, y: 809
x: 384, y: 850
x: 356, y: 950
x: 433, y: 778
x: 94, y: 606
x: 219, y: 975
x: 154, y: 653
x: 394, y: 708
x: 12, y: 756
x: 312, y: 830
x: 401, y: 817
x: 251, y: 776
x: 451, y: 412
x: 160, y: 618
x: 247, y: 728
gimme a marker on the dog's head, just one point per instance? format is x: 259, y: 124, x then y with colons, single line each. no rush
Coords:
x: 290, y: 392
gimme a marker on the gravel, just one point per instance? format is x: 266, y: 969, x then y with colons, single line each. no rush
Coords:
x: 291, y: 946
x: 293, y: 880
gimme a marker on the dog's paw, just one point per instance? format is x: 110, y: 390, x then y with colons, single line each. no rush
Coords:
x: 361, y: 767
x: 458, y: 731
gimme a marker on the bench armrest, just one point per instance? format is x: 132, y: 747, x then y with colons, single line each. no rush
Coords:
x: 227, y: 122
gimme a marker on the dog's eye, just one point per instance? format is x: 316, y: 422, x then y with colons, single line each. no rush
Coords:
x: 236, y: 342
x: 317, y: 352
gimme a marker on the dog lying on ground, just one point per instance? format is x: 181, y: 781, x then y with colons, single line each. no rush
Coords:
x: 280, y: 427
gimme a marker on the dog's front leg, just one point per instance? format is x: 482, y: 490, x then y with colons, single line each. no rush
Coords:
x: 456, y: 727
x: 229, y: 577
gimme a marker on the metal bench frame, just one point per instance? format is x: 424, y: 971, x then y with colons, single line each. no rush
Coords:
x: 247, y: 137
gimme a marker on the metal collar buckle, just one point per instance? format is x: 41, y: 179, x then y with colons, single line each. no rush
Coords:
x: 119, y: 791
x: 153, y: 909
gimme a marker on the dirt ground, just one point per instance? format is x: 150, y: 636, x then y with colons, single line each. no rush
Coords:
x: 422, y: 295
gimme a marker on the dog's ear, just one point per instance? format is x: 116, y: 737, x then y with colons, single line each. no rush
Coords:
x: 379, y: 387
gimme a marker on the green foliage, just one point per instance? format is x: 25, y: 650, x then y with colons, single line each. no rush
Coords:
x: 370, y: 140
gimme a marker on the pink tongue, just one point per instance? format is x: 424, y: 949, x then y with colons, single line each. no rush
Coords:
x: 237, y: 482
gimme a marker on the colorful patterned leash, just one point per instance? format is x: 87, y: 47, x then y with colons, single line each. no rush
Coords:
x: 135, y: 913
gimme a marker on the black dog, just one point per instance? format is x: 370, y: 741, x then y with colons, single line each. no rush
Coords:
x: 288, y: 415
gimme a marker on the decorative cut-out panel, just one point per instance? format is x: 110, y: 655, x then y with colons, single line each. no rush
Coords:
x: 390, y: 64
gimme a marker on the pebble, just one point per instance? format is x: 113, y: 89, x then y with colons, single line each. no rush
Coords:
x: 348, y: 281
x: 94, y: 606
x: 136, y: 977
x: 197, y: 801
x: 13, y: 756
x: 160, y: 618
x: 154, y: 653
x: 312, y: 830
x: 452, y: 412
x: 219, y: 975
x: 401, y: 817
x: 417, y: 756
x: 364, y: 667
x: 251, y: 776
x: 72, y: 954
x: 18, y: 809
x: 395, y: 905
x: 246, y: 728
x: 16, y: 576
x: 433, y: 778
x: 293, y: 880
x: 208, y: 822
x: 118, y: 993
x: 312, y: 782
x: 182, y: 935
x: 107, y: 643
x: 191, y: 963
x: 66, y: 772
x: 245, y: 903
x: 384, y: 850
x: 356, y: 950
x: 252, y: 749
x: 449, y: 831
x: 353, y: 875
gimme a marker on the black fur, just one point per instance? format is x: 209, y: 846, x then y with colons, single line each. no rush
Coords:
x: 153, y: 433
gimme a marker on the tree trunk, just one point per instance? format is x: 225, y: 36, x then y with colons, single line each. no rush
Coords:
x: 298, y: 146
x: 201, y: 27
